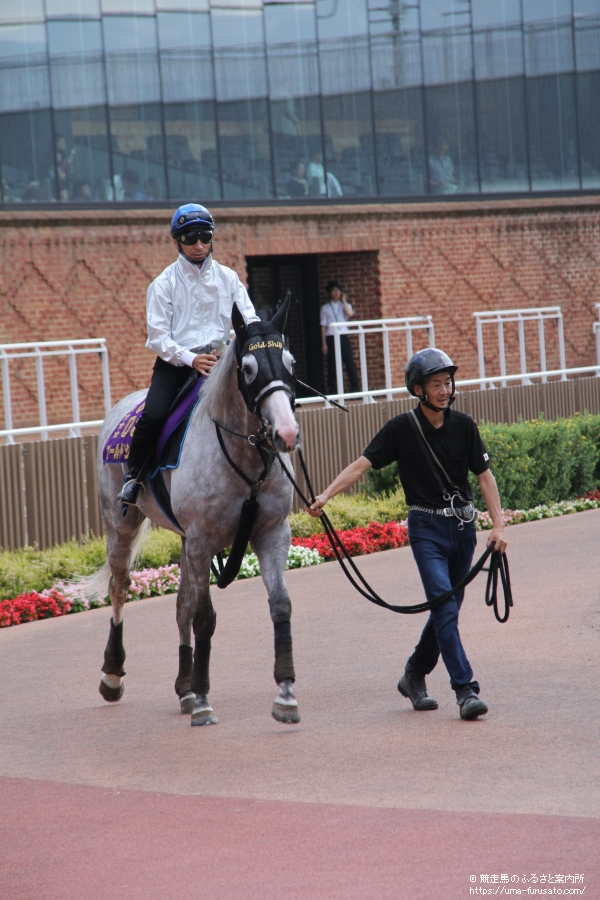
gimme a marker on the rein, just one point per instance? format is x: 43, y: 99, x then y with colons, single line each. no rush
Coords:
x: 266, y: 450
x: 264, y: 446
x: 498, y: 566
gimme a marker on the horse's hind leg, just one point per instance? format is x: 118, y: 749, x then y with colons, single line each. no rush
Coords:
x: 272, y: 549
x: 119, y: 544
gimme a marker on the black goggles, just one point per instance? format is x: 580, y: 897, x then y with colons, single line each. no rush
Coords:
x: 189, y: 238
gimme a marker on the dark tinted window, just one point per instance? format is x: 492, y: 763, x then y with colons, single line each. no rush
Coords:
x: 155, y: 100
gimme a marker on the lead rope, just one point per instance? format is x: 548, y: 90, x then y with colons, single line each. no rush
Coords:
x: 498, y: 564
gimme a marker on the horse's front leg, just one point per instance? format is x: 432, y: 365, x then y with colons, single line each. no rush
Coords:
x: 272, y: 547
x: 186, y: 606
x: 194, y: 605
x: 118, y: 550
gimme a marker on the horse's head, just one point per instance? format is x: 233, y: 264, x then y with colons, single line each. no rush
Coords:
x: 266, y: 374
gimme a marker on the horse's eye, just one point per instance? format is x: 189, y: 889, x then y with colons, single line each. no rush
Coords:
x: 249, y: 368
x: 288, y: 361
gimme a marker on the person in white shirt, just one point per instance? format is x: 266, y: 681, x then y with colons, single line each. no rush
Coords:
x: 337, y: 309
x: 321, y: 183
x: 188, y: 310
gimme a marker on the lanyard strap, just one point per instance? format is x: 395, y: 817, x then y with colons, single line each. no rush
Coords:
x: 430, y: 455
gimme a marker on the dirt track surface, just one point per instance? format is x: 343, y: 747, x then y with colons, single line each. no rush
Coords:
x: 365, y: 798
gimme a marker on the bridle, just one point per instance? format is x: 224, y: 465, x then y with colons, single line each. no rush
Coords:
x: 254, y: 394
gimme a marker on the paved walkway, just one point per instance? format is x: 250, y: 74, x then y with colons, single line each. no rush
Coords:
x: 365, y: 799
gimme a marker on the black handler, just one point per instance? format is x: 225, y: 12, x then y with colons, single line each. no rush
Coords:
x: 435, y: 447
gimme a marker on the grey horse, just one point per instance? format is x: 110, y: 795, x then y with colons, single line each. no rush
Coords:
x: 255, y: 372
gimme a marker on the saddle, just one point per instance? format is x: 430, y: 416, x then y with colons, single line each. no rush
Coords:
x: 167, y: 453
x: 170, y: 441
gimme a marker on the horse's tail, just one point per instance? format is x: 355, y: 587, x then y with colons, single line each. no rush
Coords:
x: 95, y: 587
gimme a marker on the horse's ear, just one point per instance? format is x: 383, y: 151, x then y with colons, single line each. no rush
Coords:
x: 239, y: 325
x: 280, y: 318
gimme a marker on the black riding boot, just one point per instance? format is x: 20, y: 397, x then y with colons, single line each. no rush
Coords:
x: 130, y: 490
x: 470, y: 705
x: 412, y: 686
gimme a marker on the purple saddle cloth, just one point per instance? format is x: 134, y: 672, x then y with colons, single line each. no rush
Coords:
x: 118, y: 445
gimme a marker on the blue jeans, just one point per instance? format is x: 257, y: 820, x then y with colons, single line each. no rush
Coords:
x: 444, y: 556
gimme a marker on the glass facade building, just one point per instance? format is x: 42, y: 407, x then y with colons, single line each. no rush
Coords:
x: 251, y: 100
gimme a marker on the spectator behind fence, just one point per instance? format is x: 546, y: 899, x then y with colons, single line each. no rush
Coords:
x: 297, y: 185
x: 83, y: 192
x: 61, y: 168
x: 130, y: 179
x: 320, y: 183
x: 441, y: 170
x: 337, y: 309
x: 152, y: 188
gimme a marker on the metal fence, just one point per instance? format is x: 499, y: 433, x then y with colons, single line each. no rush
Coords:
x: 38, y: 352
x: 48, y: 488
x: 384, y: 327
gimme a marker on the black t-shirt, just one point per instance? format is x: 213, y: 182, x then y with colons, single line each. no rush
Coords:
x: 457, y: 445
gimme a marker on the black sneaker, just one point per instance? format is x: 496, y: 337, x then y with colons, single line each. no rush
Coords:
x: 470, y: 704
x: 129, y: 492
x: 412, y: 686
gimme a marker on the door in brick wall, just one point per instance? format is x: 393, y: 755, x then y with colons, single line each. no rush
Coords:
x: 269, y: 279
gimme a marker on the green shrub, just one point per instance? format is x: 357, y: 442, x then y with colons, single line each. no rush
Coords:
x: 161, y: 548
x: 534, y: 462
x: 381, y: 481
x: 31, y: 569
x: 350, y: 510
x: 542, y: 461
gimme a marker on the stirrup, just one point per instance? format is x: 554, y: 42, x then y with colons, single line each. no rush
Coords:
x: 129, y: 492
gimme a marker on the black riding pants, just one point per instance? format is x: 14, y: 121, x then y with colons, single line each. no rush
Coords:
x: 347, y: 360
x: 167, y: 381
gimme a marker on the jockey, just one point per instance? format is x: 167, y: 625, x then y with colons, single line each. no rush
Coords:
x: 188, y: 311
x: 441, y: 518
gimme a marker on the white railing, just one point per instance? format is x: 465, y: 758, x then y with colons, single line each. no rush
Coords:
x: 39, y: 352
x: 500, y: 317
x: 482, y: 383
x: 384, y: 327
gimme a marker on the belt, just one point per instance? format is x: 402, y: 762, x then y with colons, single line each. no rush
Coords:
x: 469, y: 510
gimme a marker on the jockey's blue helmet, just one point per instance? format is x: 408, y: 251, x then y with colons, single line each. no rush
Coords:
x: 190, y: 217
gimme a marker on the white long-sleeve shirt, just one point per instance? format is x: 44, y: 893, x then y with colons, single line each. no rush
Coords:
x: 187, y: 307
x: 334, y: 311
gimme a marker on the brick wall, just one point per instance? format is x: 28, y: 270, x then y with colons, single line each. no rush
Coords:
x: 84, y: 273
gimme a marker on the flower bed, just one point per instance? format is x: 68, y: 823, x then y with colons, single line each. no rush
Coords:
x: 68, y: 597
x: 31, y: 606
x: 359, y: 541
x: 544, y: 511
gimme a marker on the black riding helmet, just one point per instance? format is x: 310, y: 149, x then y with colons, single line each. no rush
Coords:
x: 424, y: 364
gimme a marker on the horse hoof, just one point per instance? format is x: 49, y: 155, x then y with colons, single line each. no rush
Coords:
x: 111, y: 695
x: 208, y: 719
x: 285, y: 713
x: 204, y: 715
x: 187, y: 703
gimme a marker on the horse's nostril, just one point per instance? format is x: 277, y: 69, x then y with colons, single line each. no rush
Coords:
x: 287, y: 436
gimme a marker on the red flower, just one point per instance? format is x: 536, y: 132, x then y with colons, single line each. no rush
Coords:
x: 359, y: 541
x: 591, y: 495
x: 32, y: 606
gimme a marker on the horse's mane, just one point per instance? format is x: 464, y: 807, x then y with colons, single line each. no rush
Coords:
x: 221, y: 385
